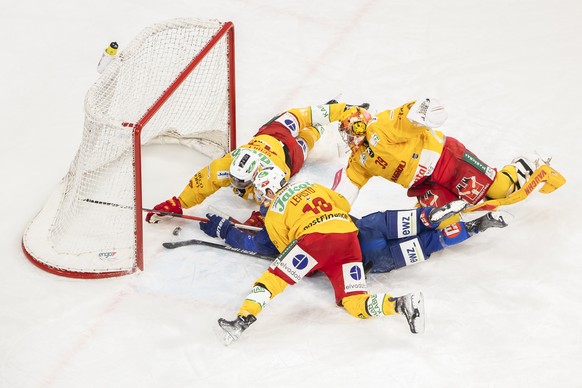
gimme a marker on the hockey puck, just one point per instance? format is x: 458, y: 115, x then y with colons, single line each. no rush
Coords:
x: 177, y: 231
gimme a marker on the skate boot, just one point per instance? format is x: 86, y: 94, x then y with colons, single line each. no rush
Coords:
x: 437, y: 215
x: 489, y: 220
x: 231, y: 330
x: 412, y: 307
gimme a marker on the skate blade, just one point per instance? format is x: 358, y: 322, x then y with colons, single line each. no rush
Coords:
x: 419, y: 321
x: 224, y: 336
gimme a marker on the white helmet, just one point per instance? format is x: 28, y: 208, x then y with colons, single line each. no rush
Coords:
x: 243, y: 168
x: 428, y: 112
x: 271, y: 177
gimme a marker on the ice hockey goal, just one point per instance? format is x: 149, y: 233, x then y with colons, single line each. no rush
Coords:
x: 173, y: 83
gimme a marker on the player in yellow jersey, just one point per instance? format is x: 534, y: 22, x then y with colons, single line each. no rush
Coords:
x: 310, y: 225
x: 402, y: 146
x: 283, y: 142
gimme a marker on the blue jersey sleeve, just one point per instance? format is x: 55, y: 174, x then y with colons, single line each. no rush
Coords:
x: 259, y: 242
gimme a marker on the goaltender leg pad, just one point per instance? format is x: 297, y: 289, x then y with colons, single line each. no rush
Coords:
x: 544, y: 178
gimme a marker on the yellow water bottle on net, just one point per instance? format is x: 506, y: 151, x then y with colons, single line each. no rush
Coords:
x: 107, y: 56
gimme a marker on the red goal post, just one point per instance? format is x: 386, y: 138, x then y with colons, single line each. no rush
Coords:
x: 174, y: 83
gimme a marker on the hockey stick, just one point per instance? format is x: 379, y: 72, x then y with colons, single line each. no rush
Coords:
x: 545, y: 174
x: 202, y: 219
x: 177, y: 244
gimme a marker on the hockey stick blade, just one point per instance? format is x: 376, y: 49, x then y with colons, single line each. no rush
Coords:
x: 551, y: 179
x: 201, y: 219
x: 178, y: 244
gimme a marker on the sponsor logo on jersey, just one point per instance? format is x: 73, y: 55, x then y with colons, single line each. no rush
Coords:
x: 424, y: 219
x: 363, y: 158
x: 222, y: 174
x: 475, y: 162
x: 354, y: 279
x: 107, y: 255
x: 319, y: 116
x: 196, y: 180
x: 406, y: 220
x: 300, y: 261
x: 295, y: 264
x: 429, y: 199
x: 327, y: 217
x: 536, y: 180
x: 259, y: 295
x: 426, y: 164
x: 290, y: 122
x: 452, y: 231
x: 374, y: 139
x: 398, y: 171
x: 469, y: 188
x: 412, y: 252
x: 356, y: 273
x: 374, y: 305
x: 281, y: 200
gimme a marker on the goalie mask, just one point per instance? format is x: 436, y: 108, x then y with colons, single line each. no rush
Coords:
x: 353, y: 124
x: 244, y: 168
x: 270, y: 178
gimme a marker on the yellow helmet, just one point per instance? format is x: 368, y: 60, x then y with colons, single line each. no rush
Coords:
x: 353, y: 124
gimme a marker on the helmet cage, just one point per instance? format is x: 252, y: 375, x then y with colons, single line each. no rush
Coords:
x: 353, y: 127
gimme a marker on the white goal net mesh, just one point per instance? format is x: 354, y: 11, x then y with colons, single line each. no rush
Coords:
x: 89, y: 224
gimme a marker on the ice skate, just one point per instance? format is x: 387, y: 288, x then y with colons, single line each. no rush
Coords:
x: 231, y: 330
x: 437, y: 215
x: 489, y: 220
x: 412, y: 307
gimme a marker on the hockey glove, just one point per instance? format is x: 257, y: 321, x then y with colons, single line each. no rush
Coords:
x: 216, y: 226
x: 170, y: 206
x: 256, y: 219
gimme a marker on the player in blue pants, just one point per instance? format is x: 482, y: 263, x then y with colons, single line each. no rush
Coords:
x: 389, y: 239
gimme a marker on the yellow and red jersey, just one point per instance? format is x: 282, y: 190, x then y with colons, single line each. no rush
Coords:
x: 304, y: 208
x: 395, y: 149
x: 274, y: 144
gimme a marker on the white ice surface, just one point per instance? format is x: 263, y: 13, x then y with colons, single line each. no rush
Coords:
x: 503, y: 309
